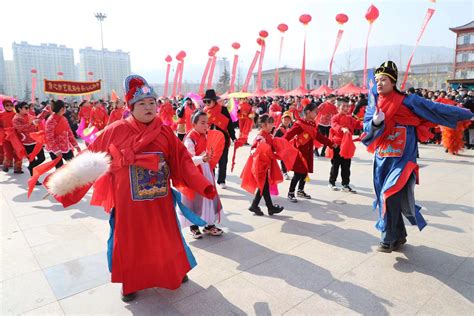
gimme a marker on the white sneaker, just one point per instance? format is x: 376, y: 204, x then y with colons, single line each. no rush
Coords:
x: 333, y: 187
x: 222, y: 185
x: 286, y: 176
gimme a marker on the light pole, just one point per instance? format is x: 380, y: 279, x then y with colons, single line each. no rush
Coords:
x: 101, y: 17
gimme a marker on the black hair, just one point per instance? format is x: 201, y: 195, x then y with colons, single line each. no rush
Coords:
x: 82, y: 103
x: 330, y: 96
x: 57, y: 106
x: 310, y: 107
x: 196, y: 115
x: 265, y: 118
x: 342, y: 99
x: 20, y: 105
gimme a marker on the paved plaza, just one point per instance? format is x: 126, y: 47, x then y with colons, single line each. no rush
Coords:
x: 315, y: 258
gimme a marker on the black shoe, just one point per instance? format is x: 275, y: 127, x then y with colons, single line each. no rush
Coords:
x: 291, y: 198
x: 399, y: 243
x: 129, y: 297
x: 5, y: 169
x: 303, y: 194
x: 348, y: 189
x: 257, y: 210
x: 383, y: 247
x: 316, y: 153
x: 38, y: 183
x: 185, y: 279
x: 275, y: 209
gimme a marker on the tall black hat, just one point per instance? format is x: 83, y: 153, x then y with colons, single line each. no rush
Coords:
x: 388, y: 69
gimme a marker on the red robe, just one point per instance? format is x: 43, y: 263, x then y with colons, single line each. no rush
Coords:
x: 98, y: 117
x: 148, y: 247
x: 302, y: 134
x: 116, y: 115
x: 245, y: 120
x: 275, y: 112
x: 85, y: 113
x: 261, y: 164
x: 166, y: 113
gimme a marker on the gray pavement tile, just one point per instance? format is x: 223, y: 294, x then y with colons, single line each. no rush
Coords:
x: 78, y: 275
x: 25, y: 292
x: 53, y: 309
x: 465, y: 272
x: 455, y: 297
x: 17, y: 262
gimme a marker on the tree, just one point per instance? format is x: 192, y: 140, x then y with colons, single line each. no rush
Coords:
x: 224, y: 81
x: 27, y: 93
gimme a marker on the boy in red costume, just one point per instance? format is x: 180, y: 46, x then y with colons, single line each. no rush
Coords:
x: 262, y: 169
x: 302, y: 134
x: 342, y: 125
x: 323, y: 119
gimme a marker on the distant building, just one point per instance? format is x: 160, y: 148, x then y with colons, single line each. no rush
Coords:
x: 10, y: 78
x: 110, y: 66
x: 290, y: 78
x: 47, y: 59
x: 463, y: 72
x: 2, y: 73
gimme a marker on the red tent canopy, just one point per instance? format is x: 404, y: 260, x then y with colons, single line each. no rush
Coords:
x: 259, y: 93
x: 275, y: 92
x: 297, y: 91
x: 349, y: 88
x: 321, y: 90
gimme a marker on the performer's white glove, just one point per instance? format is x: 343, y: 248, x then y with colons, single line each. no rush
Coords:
x: 378, y: 118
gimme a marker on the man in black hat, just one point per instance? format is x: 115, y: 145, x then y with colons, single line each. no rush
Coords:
x: 219, y: 118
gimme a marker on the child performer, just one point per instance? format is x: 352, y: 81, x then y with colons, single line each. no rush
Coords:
x: 303, y: 133
x: 196, y: 142
x: 341, y: 124
x: 286, y: 123
x: 262, y: 169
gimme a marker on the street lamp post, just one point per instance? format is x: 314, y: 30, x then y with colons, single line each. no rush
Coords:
x: 101, y: 17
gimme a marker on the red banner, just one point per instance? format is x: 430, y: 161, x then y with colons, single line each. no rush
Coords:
x: 63, y: 87
x: 338, y: 39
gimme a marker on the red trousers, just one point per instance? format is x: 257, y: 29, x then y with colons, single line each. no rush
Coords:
x: 9, y: 156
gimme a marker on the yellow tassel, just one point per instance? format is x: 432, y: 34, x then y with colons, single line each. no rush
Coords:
x: 307, y: 179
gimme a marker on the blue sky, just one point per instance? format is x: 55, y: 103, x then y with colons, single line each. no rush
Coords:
x: 150, y: 30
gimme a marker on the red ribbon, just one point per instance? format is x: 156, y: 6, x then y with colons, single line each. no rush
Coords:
x: 234, y: 71
x: 249, y: 73
x: 204, y: 76
x: 40, y: 170
x: 338, y: 39
x: 211, y: 72
x: 428, y: 16
x: 168, y: 66
x: 303, y: 67
x: 39, y: 138
x: 180, y: 80
x: 260, y: 65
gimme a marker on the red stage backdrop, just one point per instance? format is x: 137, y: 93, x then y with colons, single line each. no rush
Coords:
x: 64, y: 87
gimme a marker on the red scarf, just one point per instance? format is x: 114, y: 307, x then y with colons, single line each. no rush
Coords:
x: 398, y: 114
x: 216, y: 117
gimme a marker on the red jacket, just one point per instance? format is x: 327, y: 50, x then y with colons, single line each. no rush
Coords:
x: 338, y: 122
x: 23, y: 125
x: 325, y: 113
x: 6, y: 119
x: 115, y: 115
x: 58, y: 135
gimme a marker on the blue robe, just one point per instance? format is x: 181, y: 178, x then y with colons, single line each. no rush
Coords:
x: 393, y: 162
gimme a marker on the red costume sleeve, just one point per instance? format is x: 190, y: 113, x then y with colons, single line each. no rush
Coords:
x: 323, y: 139
x: 292, y: 132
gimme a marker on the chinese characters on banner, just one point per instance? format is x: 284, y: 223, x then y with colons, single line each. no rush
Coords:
x: 71, y: 87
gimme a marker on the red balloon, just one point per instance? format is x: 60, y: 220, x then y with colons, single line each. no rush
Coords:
x: 282, y: 27
x: 263, y: 34
x: 211, y: 53
x: 60, y: 73
x: 305, y: 19
x: 181, y: 55
x: 372, y: 13
x: 215, y: 48
x: 33, y: 71
x: 235, y: 45
x: 341, y: 18
x: 259, y: 41
x: 90, y: 73
x: 168, y: 59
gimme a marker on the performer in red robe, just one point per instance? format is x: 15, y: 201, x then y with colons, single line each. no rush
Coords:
x: 11, y: 144
x: 26, y: 124
x: 85, y: 109
x: 275, y: 111
x: 323, y: 120
x: 261, y: 169
x: 166, y: 114
x: 146, y: 248
x: 184, y: 114
x: 302, y: 134
x: 116, y: 113
x: 98, y: 116
x: 245, y: 116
